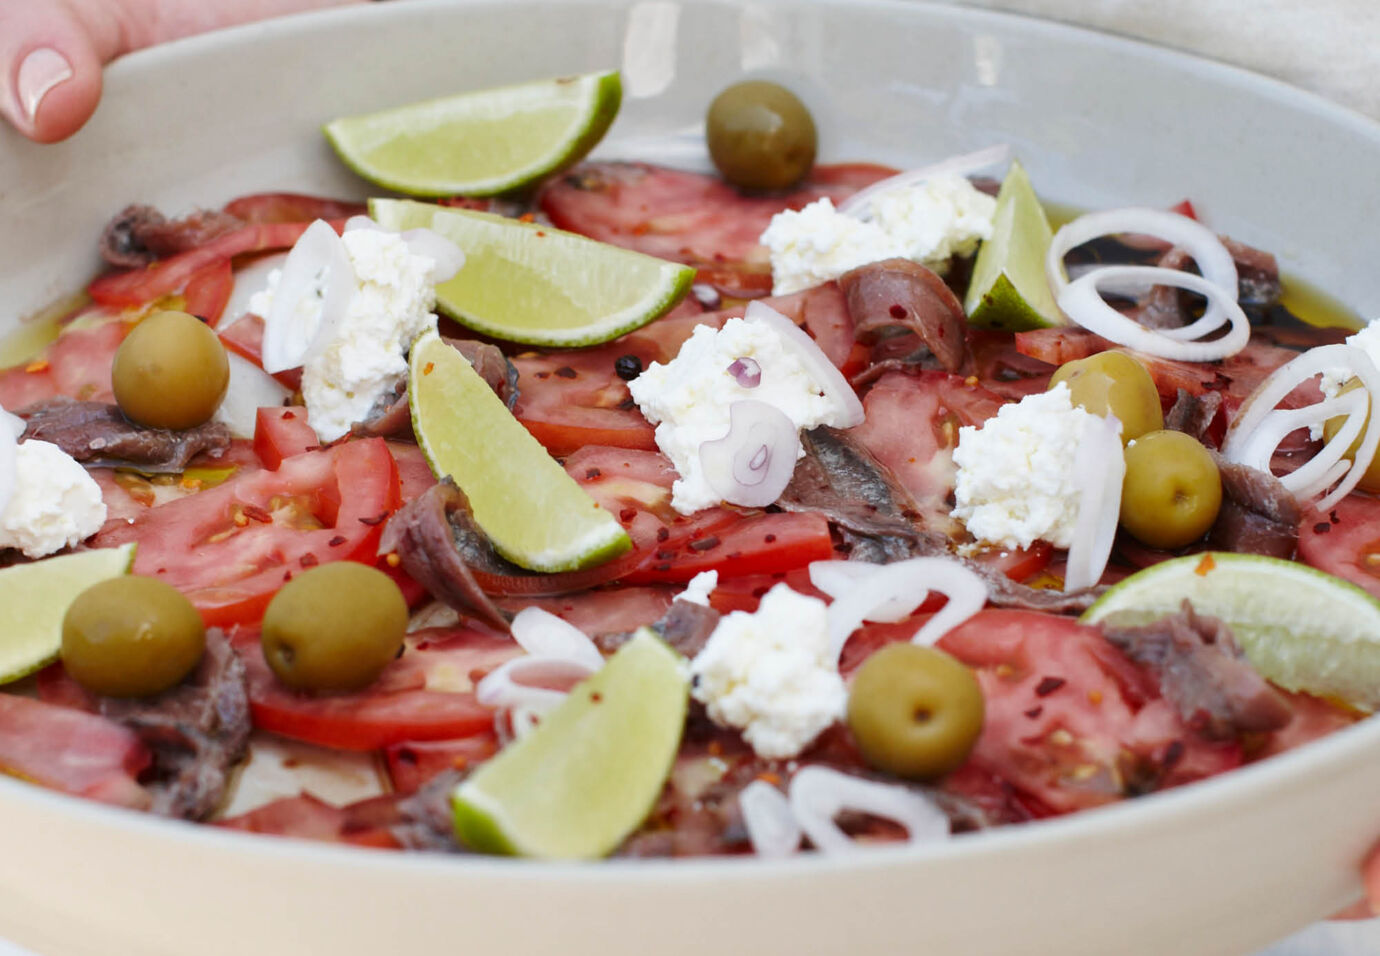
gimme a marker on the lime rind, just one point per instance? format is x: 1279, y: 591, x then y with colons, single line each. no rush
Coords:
x: 1301, y: 628
x: 537, y: 285
x: 34, y: 599
x: 529, y: 131
x: 591, y: 771
x: 532, y: 511
x: 1008, y: 289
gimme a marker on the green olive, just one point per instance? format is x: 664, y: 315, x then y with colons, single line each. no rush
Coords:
x: 1116, y: 384
x: 334, y: 627
x: 1370, y: 480
x: 760, y: 136
x: 131, y: 637
x: 915, y: 711
x: 1172, y: 490
x: 170, y: 372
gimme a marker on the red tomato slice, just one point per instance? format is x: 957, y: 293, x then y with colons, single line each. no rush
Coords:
x: 209, y: 290
x: 77, y: 364
x: 414, y: 474
x: 230, y: 548
x: 291, y: 207
x: 308, y: 818
x: 72, y: 751
x: 410, y: 765
x: 762, y: 544
x: 426, y: 694
x: 281, y: 433
x: 245, y: 337
x: 1345, y: 541
x: 1069, y: 719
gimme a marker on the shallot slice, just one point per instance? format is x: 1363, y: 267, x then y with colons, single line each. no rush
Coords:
x: 11, y: 428
x: 447, y: 258
x: 746, y: 372
x: 1261, y: 425
x: 543, y: 634
x: 518, y: 682
x: 1081, y: 300
x: 771, y: 825
x: 859, y: 204
x: 1099, y: 468
x: 819, y: 794
x: 753, y: 463
x: 890, y: 592
x: 314, y: 290
x: 815, y: 361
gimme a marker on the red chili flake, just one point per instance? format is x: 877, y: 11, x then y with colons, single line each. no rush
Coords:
x: 1205, y: 566
x: 528, y: 217
x: 734, y: 556
x: 592, y: 473
x: 1048, y: 686
x: 289, y: 416
x: 1322, y: 527
x: 767, y: 776
x: 337, y: 541
x: 705, y: 544
x: 543, y: 375
x: 287, y: 576
x: 1094, y: 697
x: 371, y: 522
x: 541, y: 233
x: 663, y: 533
x: 426, y: 369
x: 897, y: 311
x: 1173, y: 753
x: 627, y: 514
x: 769, y: 538
x: 759, y: 592
x: 310, y: 561
x: 565, y: 371
x: 661, y: 567
x: 595, y: 697
x: 258, y: 514
x: 641, y: 229
x: 406, y: 755
x: 665, y: 555
x: 1332, y: 516
x: 1034, y: 712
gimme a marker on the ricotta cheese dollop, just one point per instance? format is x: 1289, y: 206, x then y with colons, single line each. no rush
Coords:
x: 363, y: 363
x: 1015, y: 482
x: 54, y: 503
x: 688, y: 398
x: 928, y: 223
x: 771, y: 674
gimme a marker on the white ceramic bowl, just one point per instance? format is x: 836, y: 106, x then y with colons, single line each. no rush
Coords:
x: 1219, y: 867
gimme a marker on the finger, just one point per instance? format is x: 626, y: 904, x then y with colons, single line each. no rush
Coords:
x: 50, y: 70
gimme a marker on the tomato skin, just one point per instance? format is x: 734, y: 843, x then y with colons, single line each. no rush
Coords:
x: 762, y: 544
x: 208, y: 291
x: 1344, y: 541
x: 281, y: 433
x: 73, y: 751
x: 218, y: 549
x: 307, y: 818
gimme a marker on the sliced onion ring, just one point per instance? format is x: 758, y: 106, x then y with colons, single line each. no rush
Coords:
x: 771, y: 825
x: 860, y: 203
x: 11, y: 427
x: 753, y: 463
x: 543, y: 634
x: 815, y: 361
x: 318, y: 265
x: 1081, y: 300
x: 1099, y: 468
x: 1260, y: 424
x: 819, y: 794
x: 516, y: 683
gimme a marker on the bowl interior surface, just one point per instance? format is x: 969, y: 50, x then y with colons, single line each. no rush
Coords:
x: 1219, y: 867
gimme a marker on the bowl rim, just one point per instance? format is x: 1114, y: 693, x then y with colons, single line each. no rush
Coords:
x: 1223, y: 791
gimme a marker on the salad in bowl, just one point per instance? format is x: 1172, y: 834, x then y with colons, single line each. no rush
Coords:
x: 756, y: 506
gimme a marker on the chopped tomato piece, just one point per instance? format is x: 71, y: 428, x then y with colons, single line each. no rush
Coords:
x: 1345, y: 541
x: 70, y: 750
x: 281, y: 433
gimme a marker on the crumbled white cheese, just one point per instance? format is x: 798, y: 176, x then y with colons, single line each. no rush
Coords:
x: 700, y: 587
x: 928, y: 223
x: 771, y: 675
x: 1015, y: 481
x: 55, y: 503
x: 364, y: 362
x: 1368, y: 340
x: 688, y: 398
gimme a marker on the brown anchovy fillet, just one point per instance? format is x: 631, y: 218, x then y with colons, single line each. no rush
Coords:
x: 98, y: 435
x: 898, y: 293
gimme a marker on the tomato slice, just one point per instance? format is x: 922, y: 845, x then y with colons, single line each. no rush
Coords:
x: 426, y: 694
x: 410, y: 765
x: 309, y: 818
x: 291, y: 207
x: 281, y: 433
x: 1345, y: 541
x: 77, y: 364
x: 231, y: 547
x: 73, y: 751
x: 208, y: 291
x: 245, y: 337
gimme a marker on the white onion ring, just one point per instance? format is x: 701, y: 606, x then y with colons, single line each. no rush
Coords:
x: 1081, y: 300
x: 317, y: 267
x: 543, y: 634
x: 893, y: 591
x: 753, y: 463
x: 837, y: 578
x: 1099, y: 467
x: 859, y: 204
x: 819, y: 794
x: 514, y: 683
x: 771, y: 825
x: 11, y: 427
x: 814, y: 360
x: 1260, y: 424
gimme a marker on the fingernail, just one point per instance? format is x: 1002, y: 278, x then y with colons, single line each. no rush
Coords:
x: 41, y: 70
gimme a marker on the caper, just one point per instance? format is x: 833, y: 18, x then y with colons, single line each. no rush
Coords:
x: 1172, y: 490
x: 760, y: 135
x: 1370, y: 479
x: 131, y: 637
x: 334, y: 627
x: 1113, y: 383
x: 915, y: 712
x: 170, y: 372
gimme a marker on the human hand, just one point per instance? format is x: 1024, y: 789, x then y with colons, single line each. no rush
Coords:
x: 52, y: 51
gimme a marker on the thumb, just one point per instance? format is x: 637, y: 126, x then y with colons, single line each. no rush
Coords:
x: 50, y: 71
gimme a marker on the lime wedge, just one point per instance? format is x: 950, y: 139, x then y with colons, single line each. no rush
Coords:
x: 34, y: 597
x: 480, y: 143
x: 533, y: 512
x: 591, y: 770
x: 1300, y: 628
x: 1008, y: 289
x: 530, y: 283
